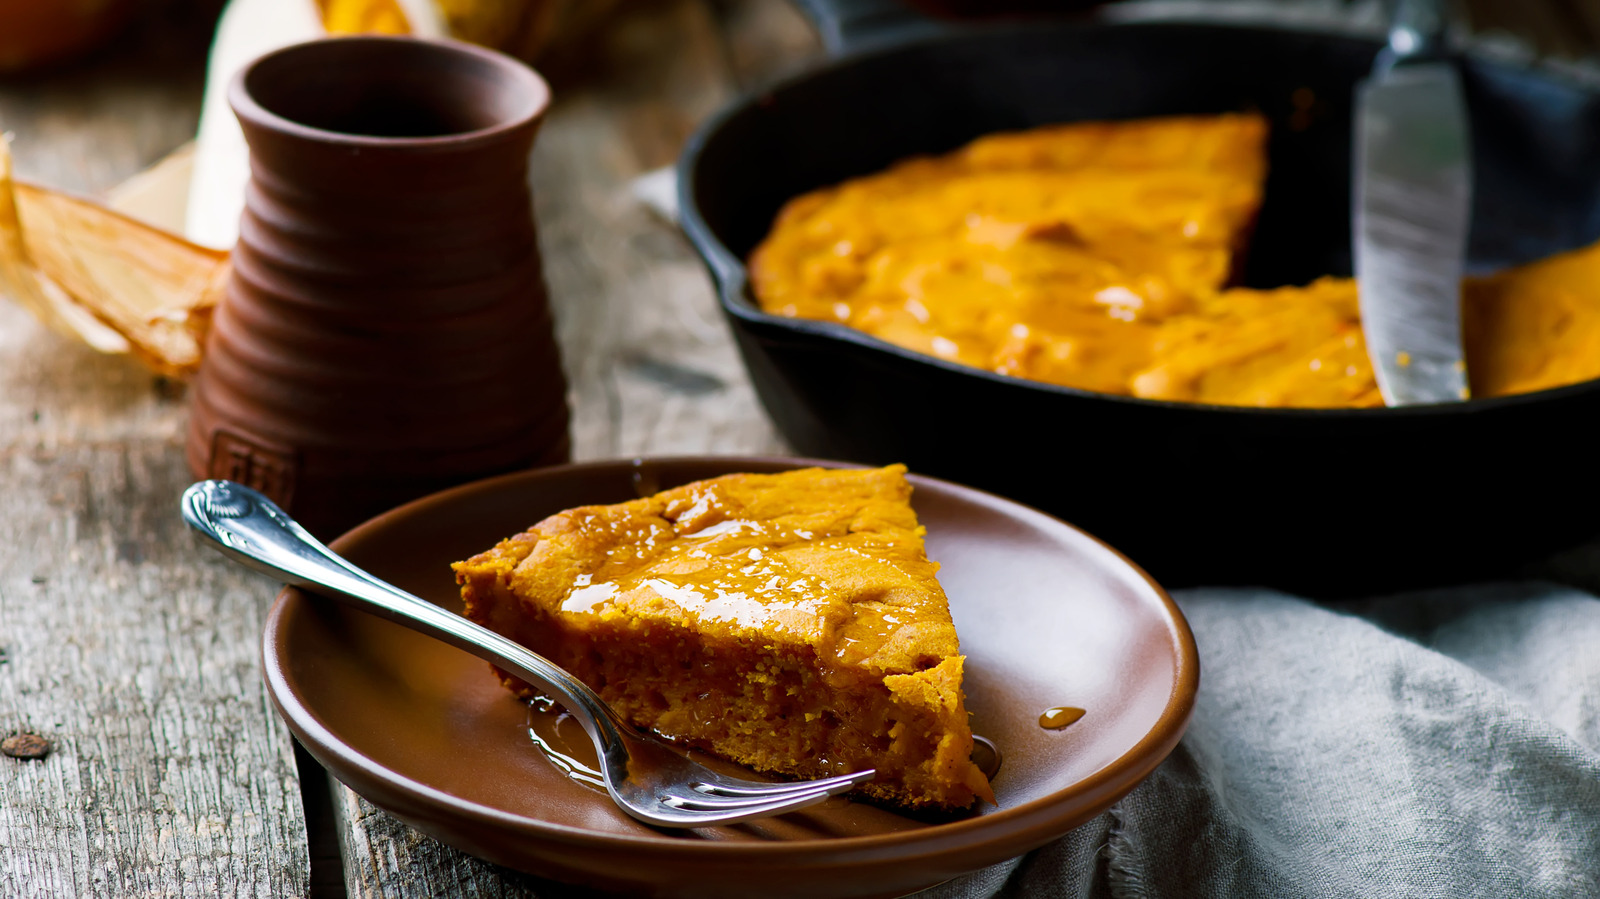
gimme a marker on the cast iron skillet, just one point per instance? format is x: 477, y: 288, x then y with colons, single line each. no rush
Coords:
x: 1327, y: 502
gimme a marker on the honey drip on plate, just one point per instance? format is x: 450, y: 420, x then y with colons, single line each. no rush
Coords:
x: 1059, y: 717
x: 986, y: 755
x: 547, y: 714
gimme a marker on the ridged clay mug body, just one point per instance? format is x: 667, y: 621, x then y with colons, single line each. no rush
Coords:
x: 385, y: 330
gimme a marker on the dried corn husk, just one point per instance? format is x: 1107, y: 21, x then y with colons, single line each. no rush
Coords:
x: 522, y: 28
x: 116, y: 283
x: 123, y: 286
x: 364, y: 17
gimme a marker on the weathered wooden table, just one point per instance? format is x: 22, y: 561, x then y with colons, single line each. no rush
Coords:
x: 133, y: 652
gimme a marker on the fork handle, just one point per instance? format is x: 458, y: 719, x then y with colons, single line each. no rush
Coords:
x: 246, y: 526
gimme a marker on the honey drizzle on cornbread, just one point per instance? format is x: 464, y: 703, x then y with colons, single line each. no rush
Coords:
x: 684, y: 562
x: 857, y: 666
x: 742, y: 594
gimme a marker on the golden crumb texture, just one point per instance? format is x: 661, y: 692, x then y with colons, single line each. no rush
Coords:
x: 791, y: 622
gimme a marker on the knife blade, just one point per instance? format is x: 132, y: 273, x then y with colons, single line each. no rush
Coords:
x: 1413, y: 195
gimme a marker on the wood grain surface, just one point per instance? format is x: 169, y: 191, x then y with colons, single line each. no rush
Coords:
x: 136, y: 658
x: 136, y: 655
x: 650, y: 361
x: 131, y: 653
x: 652, y: 367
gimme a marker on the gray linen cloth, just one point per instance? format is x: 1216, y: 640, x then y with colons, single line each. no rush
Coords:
x: 1444, y: 744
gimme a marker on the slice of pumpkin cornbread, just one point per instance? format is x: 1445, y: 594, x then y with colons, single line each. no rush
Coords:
x: 789, y: 622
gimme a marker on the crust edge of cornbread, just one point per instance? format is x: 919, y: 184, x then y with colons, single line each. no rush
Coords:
x: 753, y: 681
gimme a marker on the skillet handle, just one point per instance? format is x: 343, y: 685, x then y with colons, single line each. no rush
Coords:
x: 849, y: 25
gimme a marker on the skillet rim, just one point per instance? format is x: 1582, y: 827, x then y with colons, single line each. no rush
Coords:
x: 730, y: 273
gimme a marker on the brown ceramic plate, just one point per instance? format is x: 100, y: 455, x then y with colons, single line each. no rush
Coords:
x: 1048, y: 616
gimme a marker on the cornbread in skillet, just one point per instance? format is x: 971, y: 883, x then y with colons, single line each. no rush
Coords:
x: 1099, y: 255
x: 1534, y: 326
x: 789, y: 622
x: 1050, y: 254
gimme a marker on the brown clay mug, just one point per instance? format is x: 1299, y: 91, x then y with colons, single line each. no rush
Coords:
x: 385, y: 331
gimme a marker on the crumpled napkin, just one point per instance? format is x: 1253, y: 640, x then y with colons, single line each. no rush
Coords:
x: 1443, y: 743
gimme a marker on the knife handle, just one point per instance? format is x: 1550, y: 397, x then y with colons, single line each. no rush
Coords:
x: 1416, y: 34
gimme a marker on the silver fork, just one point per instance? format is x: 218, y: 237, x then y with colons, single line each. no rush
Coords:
x: 647, y: 778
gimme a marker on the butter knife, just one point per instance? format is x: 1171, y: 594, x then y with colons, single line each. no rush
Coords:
x: 1413, y: 195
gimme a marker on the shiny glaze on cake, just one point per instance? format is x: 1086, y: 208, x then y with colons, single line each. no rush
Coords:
x: 791, y: 622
